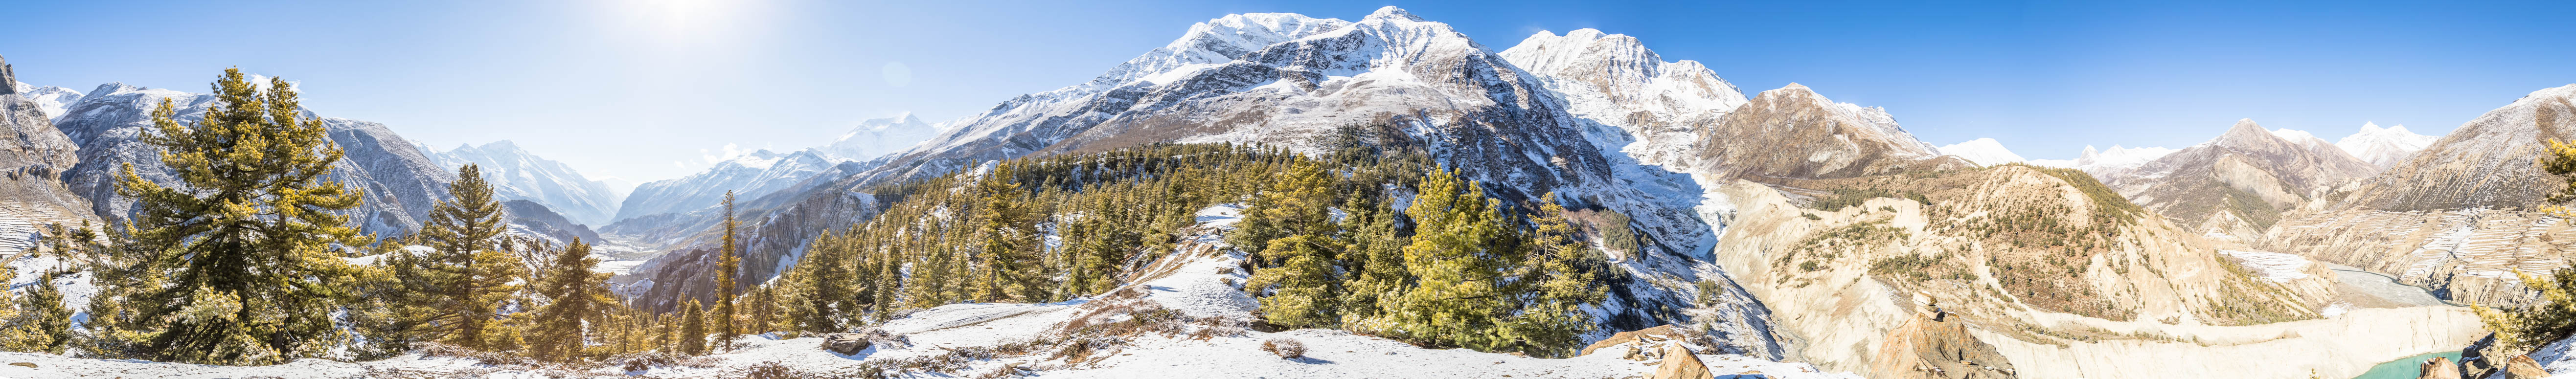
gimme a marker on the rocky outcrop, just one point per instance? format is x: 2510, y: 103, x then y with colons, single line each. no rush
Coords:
x: 1930, y: 346
x: 2456, y: 217
x: 33, y: 158
x: 1679, y: 363
x: 2237, y: 186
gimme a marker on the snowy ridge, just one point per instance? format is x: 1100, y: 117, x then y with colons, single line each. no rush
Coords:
x: 1983, y: 151
x: 50, y: 99
x: 749, y: 176
x: 879, y: 136
x: 516, y: 174
x: 2105, y: 162
x: 2384, y: 147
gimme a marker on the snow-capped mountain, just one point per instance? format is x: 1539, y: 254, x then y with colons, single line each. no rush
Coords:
x: 1290, y: 81
x: 2384, y: 147
x: 749, y: 176
x: 879, y: 136
x: 1984, y: 151
x: 2103, y: 163
x: 49, y: 99
x: 518, y: 175
x: 1613, y: 79
x: 400, y: 183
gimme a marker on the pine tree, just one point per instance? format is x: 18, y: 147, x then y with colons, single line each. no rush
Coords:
x: 820, y: 285
x: 466, y: 268
x: 1376, y: 259
x: 243, y: 270
x: 1294, y: 275
x: 764, y: 306
x: 576, y: 297
x: 728, y: 264
x: 693, y: 329
x: 1455, y: 260
x: 1556, y: 280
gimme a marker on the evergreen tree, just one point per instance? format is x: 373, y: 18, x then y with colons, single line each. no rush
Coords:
x: 576, y: 297
x: 242, y: 269
x: 1294, y: 275
x: 43, y: 324
x: 466, y: 272
x: 728, y: 264
x: 1376, y: 259
x: 820, y: 285
x: 1456, y: 262
x: 1556, y: 280
x: 693, y: 329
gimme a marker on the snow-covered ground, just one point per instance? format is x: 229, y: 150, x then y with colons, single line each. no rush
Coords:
x: 1197, y: 333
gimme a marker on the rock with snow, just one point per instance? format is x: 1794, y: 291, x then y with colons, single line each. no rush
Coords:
x: 516, y: 174
x: 1614, y: 80
x: 1983, y: 151
x: 2384, y: 147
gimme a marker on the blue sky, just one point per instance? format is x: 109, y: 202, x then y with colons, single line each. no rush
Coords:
x: 649, y: 89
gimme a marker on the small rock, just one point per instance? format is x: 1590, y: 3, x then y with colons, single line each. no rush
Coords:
x: 845, y: 343
x: 1647, y: 334
x: 24, y: 364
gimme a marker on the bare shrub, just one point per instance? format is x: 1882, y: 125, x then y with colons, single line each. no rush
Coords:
x: 1284, y: 347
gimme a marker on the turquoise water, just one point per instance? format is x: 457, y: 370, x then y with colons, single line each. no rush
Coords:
x: 2404, y: 368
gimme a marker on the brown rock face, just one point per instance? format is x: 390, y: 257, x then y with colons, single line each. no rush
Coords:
x: 2439, y: 368
x: 2522, y: 367
x: 1679, y: 363
x: 1928, y: 348
x: 1794, y: 133
x: 33, y: 157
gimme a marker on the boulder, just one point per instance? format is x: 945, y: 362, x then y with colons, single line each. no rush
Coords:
x: 1679, y: 363
x: 845, y: 343
x: 1658, y: 333
x: 2438, y: 368
x: 2523, y: 367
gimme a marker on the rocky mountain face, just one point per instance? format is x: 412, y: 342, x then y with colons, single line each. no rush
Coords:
x: 1614, y: 80
x: 749, y: 176
x: 1861, y: 271
x: 399, y: 182
x: 877, y: 137
x: 33, y: 157
x: 2457, y: 216
x: 1794, y: 133
x: 2384, y: 147
x: 2237, y: 186
x: 518, y: 175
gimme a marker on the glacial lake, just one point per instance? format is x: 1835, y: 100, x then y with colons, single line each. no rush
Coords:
x: 2404, y: 368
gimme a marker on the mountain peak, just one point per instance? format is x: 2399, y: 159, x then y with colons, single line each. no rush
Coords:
x: 1392, y: 13
x: 2247, y: 134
